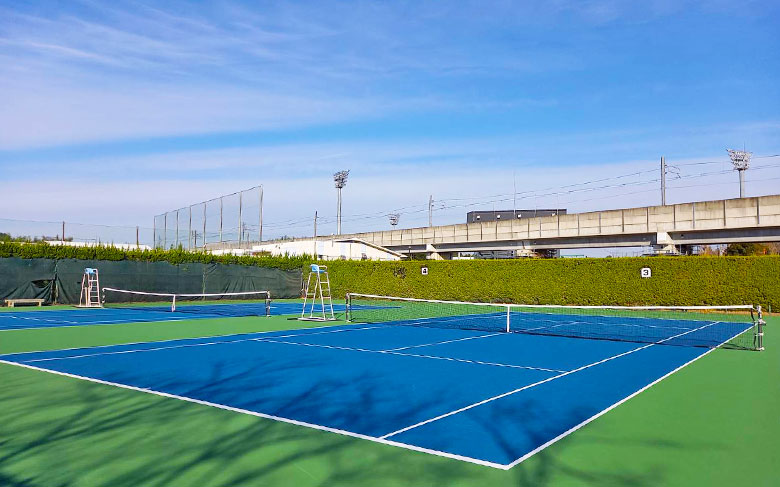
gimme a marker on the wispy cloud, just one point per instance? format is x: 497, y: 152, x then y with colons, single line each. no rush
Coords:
x: 163, y: 104
x: 150, y: 71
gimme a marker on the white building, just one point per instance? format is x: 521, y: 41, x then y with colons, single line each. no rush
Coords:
x: 327, y: 249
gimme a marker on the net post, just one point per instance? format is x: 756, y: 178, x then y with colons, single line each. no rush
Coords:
x: 508, y: 309
x: 349, y: 308
x: 173, y: 303
x: 760, y: 323
x: 268, y: 304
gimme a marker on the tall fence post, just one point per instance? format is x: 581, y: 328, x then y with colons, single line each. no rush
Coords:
x: 177, y: 229
x: 261, y: 213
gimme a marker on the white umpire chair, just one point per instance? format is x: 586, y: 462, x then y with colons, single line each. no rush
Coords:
x: 317, y: 290
x: 90, y: 289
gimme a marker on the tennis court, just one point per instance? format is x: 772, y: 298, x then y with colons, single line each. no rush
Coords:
x: 454, y: 384
x: 143, y: 313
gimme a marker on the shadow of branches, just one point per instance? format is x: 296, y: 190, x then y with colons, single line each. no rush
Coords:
x: 61, y: 432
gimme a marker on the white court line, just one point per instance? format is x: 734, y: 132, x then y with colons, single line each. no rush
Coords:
x: 566, y: 323
x: 122, y: 352
x: 295, y: 335
x: 435, y: 357
x: 515, y: 391
x: 20, y: 317
x: 381, y: 440
x: 442, y: 343
x: 171, y: 347
x: 556, y: 323
x: 456, y: 318
x: 102, y: 322
x: 192, y: 338
x: 147, y: 312
x: 613, y: 406
x: 267, y: 416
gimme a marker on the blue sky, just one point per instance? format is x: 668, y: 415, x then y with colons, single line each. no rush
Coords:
x: 159, y: 105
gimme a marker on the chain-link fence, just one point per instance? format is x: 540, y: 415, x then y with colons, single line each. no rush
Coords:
x: 70, y: 233
x: 236, y: 217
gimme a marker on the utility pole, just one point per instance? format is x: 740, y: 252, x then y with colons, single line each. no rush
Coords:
x: 741, y: 161
x: 314, y: 254
x: 340, y: 178
x: 240, y: 218
x: 663, y: 181
x: 430, y: 210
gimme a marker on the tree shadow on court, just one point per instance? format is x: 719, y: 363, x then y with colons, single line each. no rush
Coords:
x: 66, y: 432
x: 559, y: 461
x: 62, y: 432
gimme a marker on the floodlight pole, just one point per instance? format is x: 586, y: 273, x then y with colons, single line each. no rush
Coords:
x: 340, y: 179
x: 741, y: 183
x: 741, y: 161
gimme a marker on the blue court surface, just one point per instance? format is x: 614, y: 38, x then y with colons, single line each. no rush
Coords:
x: 487, y: 398
x: 16, y: 320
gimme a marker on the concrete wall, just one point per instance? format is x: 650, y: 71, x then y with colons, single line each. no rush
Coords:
x: 741, y: 213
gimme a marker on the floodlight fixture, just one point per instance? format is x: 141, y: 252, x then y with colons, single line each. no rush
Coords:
x: 741, y: 161
x: 340, y: 179
x: 394, y: 217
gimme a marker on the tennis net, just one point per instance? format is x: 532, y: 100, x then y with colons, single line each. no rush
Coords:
x: 739, y: 327
x: 248, y: 303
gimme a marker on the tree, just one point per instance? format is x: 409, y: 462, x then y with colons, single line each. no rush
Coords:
x: 747, y: 249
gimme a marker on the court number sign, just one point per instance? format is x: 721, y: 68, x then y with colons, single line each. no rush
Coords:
x: 424, y: 271
x: 645, y: 272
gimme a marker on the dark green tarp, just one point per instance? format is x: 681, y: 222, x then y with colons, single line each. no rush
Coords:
x: 26, y: 278
x: 60, y: 280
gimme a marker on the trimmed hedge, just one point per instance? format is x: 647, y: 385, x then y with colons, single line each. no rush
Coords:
x: 695, y: 280
x: 675, y: 280
x: 175, y: 256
